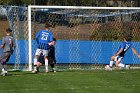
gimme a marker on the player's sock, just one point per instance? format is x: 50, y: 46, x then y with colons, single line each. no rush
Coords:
x: 3, y: 73
x: 35, y: 61
x: 46, y: 65
x: 121, y: 65
x: 37, y: 69
x: 54, y: 70
x: 2, y: 70
x: 35, y: 64
x: 5, y: 68
x: 52, y: 65
x: 111, y: 63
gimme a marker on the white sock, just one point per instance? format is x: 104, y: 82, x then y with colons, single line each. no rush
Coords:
x: 3, y: 70
x: 35, y: 61
x: 111, y: 63
x: 121, y: 65
x: 35, y: 68
x: 46, y: 64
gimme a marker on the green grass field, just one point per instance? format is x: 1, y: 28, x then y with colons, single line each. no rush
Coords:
x: 96, y: 81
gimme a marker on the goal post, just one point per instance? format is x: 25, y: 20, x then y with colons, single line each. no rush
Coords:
x: 30, y: 38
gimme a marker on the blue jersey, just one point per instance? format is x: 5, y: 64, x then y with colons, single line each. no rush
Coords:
x: 44, y: 37
x: 125, y: 46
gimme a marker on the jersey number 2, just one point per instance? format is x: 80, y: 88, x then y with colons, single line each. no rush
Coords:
x: 44, y: 36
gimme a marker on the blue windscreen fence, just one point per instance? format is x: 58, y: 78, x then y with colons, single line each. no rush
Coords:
x: 82, y: 52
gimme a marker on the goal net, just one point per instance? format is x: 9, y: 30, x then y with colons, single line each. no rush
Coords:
x: 17, y: 21
x: 86, y: 36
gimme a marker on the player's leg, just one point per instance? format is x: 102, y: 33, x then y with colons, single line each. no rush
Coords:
x: 112, y: 60
x: 45, y: 53
x: 4, y: 69
x: 38, y: 65
x: 40, y: 61
x: 53, y: 67
x: 38, y: 51
x: 4, y: 58
x: 51, y: 62
x: 46, y: 64
x: 119, y: 64
x: 35, y: 64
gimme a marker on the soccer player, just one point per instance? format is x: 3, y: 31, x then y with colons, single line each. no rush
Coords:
x: 52, y: 60
x: 44, y: 39
x: 119, y: 55
x: 51, y: 57
x: 8, y: 45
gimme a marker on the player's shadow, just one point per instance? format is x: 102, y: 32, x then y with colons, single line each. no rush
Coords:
x: 19, y: 73
x: 22, y: 73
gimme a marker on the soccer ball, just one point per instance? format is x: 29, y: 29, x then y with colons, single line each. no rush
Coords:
x: 107, y: 67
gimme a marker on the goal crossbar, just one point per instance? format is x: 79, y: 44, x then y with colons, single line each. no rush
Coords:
x: 81, y: 7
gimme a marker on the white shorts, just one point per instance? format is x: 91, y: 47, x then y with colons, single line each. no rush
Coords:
x: 118, y: 58
x: 39, y: 51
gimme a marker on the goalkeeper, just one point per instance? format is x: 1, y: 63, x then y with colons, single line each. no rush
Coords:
x: 8, y: 45
x: 51, y: 57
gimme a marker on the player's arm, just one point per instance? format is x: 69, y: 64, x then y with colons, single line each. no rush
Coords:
x: 50, y: 39
x: 135, y: 52
x: 36, y: 38
x: 1, y: 46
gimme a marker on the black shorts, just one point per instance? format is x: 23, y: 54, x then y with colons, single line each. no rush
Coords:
x: 5, y: 56
x: 51, y: 60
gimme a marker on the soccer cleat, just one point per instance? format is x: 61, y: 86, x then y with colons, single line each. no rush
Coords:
x: 108, y: 68
x: 53, y: 70
x: 4, y: 73
x: 34, y: 71
x: 127, y: 67
x: 47, y: 71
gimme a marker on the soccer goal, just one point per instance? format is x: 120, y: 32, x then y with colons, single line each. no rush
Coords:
x: 86, y: 36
